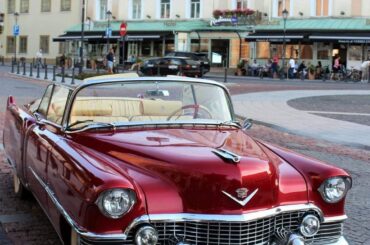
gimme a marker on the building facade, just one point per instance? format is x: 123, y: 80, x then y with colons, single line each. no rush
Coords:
x: 39, y: 21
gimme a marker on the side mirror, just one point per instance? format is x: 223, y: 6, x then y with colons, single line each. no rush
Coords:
x: 247, y: 123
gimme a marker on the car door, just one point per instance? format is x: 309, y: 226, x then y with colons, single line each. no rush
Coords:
x: 175, y: 65
x: 163, y: 66
x: 40, y: 140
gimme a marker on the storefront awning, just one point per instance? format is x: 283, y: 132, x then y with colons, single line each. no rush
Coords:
x: 273, y: 38
x: 341, y: 38
x: 67, y: 37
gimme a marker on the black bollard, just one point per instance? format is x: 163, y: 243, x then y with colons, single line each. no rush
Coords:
x: 38, y: 71
x: 368, y: 75
x: 12, y: 67
x: 31, y: 68
x: 54, y: 70
x: 18, y: 68
x: 63, y: 75
x: 73, y: 76
x: 46, y: 72
x: 24, y: 68
x: 225, y: 75
x: 2, y: 61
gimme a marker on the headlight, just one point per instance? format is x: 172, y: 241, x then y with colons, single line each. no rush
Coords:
x: 335, y: 189
x: 310, y: 225
x: 116, y: 202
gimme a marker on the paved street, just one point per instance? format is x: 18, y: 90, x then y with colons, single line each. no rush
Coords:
x: 23, y: 222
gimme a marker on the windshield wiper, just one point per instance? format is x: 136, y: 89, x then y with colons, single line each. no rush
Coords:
x: 231, y: 123
x: 90, y: 123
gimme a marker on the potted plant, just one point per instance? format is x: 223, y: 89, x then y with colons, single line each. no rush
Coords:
x: 240, y: 67
x: 311, y: 72
x: 217, y: 13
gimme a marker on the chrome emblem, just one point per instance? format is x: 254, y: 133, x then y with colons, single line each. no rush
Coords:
x: 242, y: 194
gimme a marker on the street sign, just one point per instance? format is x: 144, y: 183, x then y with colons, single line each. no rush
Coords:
x: 15, y: 30
x: 108, y: 32
x: 123, y: 29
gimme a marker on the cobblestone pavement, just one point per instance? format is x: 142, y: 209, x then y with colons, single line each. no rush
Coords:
x: 23, y: 222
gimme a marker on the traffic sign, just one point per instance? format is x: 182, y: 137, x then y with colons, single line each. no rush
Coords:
x: 108, y: 32
x: 15, y: 30
x: 123, y: 29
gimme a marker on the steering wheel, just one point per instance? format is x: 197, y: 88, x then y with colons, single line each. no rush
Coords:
x: 196, y: 108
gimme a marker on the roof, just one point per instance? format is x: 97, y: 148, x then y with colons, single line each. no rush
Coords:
x: 159, y: 25
x: 317, y: 24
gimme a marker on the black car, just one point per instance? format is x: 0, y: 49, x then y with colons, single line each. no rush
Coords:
x: 171, y: 66
x: 201, y: 57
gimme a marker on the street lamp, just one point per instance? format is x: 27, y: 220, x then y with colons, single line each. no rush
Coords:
x: 108, y: 32
x: 15, y: 33
x: 285, y: 16
x: 82, y: 37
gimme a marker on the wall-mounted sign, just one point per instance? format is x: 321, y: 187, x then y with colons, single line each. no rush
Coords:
x: 170, y: 23
x: 222, y: 21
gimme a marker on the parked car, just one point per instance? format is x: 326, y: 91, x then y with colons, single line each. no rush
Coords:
x: 171, y: 66
x: 201, y: 57
x: 162, y: 160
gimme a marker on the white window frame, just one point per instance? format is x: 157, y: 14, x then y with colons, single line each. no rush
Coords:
x: 190, y: 8
x: 131, y: 10
x: 159, y: 8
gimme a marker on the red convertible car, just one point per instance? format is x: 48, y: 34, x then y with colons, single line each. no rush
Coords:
x: 145, y: 161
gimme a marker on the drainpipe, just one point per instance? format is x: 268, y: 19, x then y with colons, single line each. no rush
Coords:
x: 240, y: 45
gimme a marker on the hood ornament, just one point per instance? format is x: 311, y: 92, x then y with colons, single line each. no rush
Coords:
x: 227, y: 155
x: 243, y: 195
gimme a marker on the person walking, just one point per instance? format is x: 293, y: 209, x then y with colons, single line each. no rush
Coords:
x: 365, y: 66
x: 291, y: 68
x: 110, y: 61
x: 274, y: 66
x: 39, y: 58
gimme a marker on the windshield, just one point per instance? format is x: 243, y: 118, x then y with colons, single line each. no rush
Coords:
x: 150, y: 102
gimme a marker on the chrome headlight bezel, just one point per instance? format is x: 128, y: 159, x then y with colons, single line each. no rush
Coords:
x: 331, y: 183
x: 125, y: 193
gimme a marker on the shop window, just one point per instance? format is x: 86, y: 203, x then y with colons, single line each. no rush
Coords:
x: 145, y: 48
x: 136, y: 9
x: 355, y: 53
x: 322, y: 7
x: 10, y: 44
x: 24, y: 6
x: 65, y: 5
x: 323, y: 51
x: 306, y: 52
x: 165, y: 9
x: 195, y: 9
x: 11, y: 6
x: 283, y: 4
x: 45, y: 5
x: 242, y: 4
x: 23, y: 44
x: 263, y: 50
x: 44, y: 44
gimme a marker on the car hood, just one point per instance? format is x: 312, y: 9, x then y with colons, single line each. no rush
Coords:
x: 179, y: 171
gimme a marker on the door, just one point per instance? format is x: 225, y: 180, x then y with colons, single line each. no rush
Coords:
x: 220, y: 52
x: 40, y: 141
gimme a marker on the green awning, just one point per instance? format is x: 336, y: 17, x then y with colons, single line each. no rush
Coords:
x: 317, y: 24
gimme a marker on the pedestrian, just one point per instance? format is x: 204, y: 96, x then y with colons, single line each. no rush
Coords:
x: 365, y: 66
x: 319, y: 70
x: 110, y: 61
x: 302, y: 70
x: 291, y: 68
x: 39, y: 58
x: 274, y: 65
x: 254, y: 67
x: 62, y: 60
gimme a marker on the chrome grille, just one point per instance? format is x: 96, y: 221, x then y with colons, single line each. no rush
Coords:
x: 257, y: 232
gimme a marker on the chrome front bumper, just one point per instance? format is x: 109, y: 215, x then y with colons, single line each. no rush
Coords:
x: 341, y: 241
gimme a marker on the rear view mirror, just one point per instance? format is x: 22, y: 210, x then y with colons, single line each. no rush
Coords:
x: 154, y: 93
x: 247, y: 123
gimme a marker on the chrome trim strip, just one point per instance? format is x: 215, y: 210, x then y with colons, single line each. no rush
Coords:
x: 183, y: 217
x: 341, y: 241
x: 80, y: 230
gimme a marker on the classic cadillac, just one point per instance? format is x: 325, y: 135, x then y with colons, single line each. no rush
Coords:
x: 145, y: 161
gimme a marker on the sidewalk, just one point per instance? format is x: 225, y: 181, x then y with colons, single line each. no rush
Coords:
x: 272, y: 108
